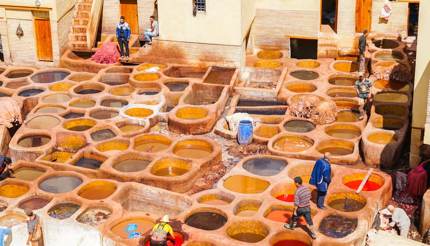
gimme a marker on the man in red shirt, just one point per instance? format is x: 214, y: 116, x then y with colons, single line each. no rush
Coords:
x: 302, y: 207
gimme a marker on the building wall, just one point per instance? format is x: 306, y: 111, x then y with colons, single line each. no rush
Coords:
x: 65, y: 10
x: 346, y: 18
x: 420, y: 115
x: 398, y: 21
x: 248, y: 14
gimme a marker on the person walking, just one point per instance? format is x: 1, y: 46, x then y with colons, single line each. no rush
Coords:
x: 151, y: 32
x: 302, y: 202
x: 160, y: 232
x: 34, y: 227
x: 362, y: 86
x: 362, y: 45
x: 123, y: 36
x: 400, y: 219
x: 321, y: 178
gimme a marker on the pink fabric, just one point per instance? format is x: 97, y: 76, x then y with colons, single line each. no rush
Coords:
x: 107, y: 54
x: 417, y: 181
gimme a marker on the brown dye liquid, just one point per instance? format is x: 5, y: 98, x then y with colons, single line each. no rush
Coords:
x: 341, y: 93
x: 43, y: 122
x: 13, y: 190
x: 343, y: 133
x: 131, y: 165
x: 33, y: 141
x: 49, y: 77
x: 88, y: 91
x: 292, y: 144
x: 347, y: 116
x: 337, y: 226
x: 51, y: 109
x: 246, y: 184
x: 301, y: 126
x: 18, y: 74
x: 206, y: 220
x: 63, y: 210
x: 347, y: 205
x: 114, y: 103
x: 143, y: 225
x: 73, y: 115
x: 193, y: 153
x: 97, y: 191
x: 220, y: 75
x: 102, y: 135
x: 386, y: 43
x: 305, y: 75
x: 336, y: 151
x: 342, y: 81
x: 130, y: 128
x: 177, y: 86
x: 83, y: 104
x: 170, y: 171
x: 151, y: 146
x: 34, y: 203
x: 248, y: 237
x: 88, y: 163
x: 103, y: 114
x: 94, y: 216
x: 28, y: 174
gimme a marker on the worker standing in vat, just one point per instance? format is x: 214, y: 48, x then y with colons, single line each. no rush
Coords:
x: 123, y: 36
x: 160, y: 232
x: 321, y: 178
x: 35, y: 235
x: 362, y: 86
x: 302, y: 202
x: 400, y: 219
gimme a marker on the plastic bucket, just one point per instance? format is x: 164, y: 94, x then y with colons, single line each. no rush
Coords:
x: 245, y: 131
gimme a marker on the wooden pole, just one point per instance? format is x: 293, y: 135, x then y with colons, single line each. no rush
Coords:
x: 364, y: 181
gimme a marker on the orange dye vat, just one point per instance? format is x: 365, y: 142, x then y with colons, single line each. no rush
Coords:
x: 290, y: 243
x: 369, y: 186
x: 286, y: 197
x: 284, y: 216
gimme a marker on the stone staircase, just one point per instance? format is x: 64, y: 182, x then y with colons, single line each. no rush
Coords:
x: 327, y: 43
x: 85, y: 24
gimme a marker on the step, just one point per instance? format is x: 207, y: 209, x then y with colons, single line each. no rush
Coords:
x: 79, y: 29
x: 82, y: 14
x: 84, y: 7
x: 80, y: 22
x: 86, y: 1
x: 80, y: 37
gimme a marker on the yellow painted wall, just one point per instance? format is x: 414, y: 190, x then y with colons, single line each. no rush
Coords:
x: 308, y: 5
x: 220, y: 24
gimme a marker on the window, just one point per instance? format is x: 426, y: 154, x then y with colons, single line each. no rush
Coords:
x: 200, y: 5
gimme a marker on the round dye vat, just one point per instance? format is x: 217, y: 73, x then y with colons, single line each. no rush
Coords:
x: 61, y: 86
x: 391, y: 97
x: 381, y: 137
x: 346, y: 103
x: 131, y: 165
x: 143, y: 225
x: 299, y: 87
x: 386, y: 43
x: 344, y: 131
x: 342, y: 92
x: 63, y: 211
x: 73, y: 115
x: 391, y: 85
x: 305, y: 74
x: 208, y: 221
x: 146, y: 66
x: 300, y: 126
x: 348, y: 116
x: 71, y: 142
x: 139, y: 112
x: 129, y: 128
x: 27, y: 173
x: 264, y: 166
x: 388, y: 122
x: 83, y: 103
x: 346, y: 201
x: 11, y: 220
x: 245, y: 184
x: 346, y: 66
x: 268, y: 64
x: 122, y: 91
x: 79, y: 125
x: 58, y: 156
x: 266, y: 131
x: 336, y: 147
x: 308, y: 64
x: 170, y: 167
x: 103, y: 134
x: 191, y: 113
x: 89, y: 163
x: 291, y: 242
x: 247, y: 208
x: 94, y: 216
x: 97, y: 190
x: 337, y: 226
x: 303, y: 170
x: 30, y: 92
x: 175, y: 86
x: 284, y: 192
x: 288, y: 143
x: 60, y: 184
x: 248, y: 231
x: 17, y: 84
x: 114, y: 103
x: 280, y: 213
x: 43, y: 122
x: 146, y: 77
x: 34, y: 203
x: 200, y: 243
x: 152, y: 143
x: 103, y: 114
x: 269, y: 54
x: 89, y: 88
x: 353, y: 181
x: 34, y: 141
x: 13, y: 190
x: 49, y: 76
x: 389, y: 55
x: 216, y: 199
x: 342, y: 80
x: 18, y: 73
x: 390, y: 110
x: 56, y: 98
x: 193, y: 148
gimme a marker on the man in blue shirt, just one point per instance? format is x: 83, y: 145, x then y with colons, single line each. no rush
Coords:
x: 321, y: 178
x: 123, y: 36
x: 4, y: 231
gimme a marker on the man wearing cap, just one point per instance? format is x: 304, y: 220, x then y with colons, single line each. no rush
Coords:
x: 302, y: 199
x: 400, y: 219
x: 321, y: 178
x: 160, y: 231
x: 35, y: 235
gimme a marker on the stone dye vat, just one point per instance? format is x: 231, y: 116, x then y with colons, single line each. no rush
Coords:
x: 143, y: 225
x: 304, y: 74
x: 34, y: 203
x: 152, y: 143
x: 60, y: 184
x: 49, y: 76
x: 170, y: 167
x: 206, y: 220
x: 27, y: 173
x: 344, y: 66
x: 194, y: 149
x: 248, y: 231
x: 97, y: 190
x: 300, y: 87
x: 13, y: 189
x: 300, y: 126
x: 247, y: 208
x: 337, y: 226
x: 216, y: 199
x: 342, y: 80
x: 63, y: 211
x: 94, y: 216
x: 346, y: 201
x: 245, y: 184
x: 264, y: 166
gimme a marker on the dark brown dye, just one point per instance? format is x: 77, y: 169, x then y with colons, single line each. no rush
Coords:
x: 103, y: 114
x: 88, y: 163
x: 220, y: 75
x: 149, y: 92
x: 264, y: 166
x: 386, y: 43
x: 337, y: 226
x: 3, y: 94
x: 131, y: 165
x: 79, y: 128
x: 83, y: 54
x: 255, y: 103
x: 88, y: 91
x: 117, y: 79
x: 30, y: 92
x: 347, y: 205
x: 342, y: 81
x: 248, y: 237
x: 176, y: 86
x: 34, y: 203
x: 102, y: 135
x: 33, y: 141
x: 17, y: 84
x: 262, y: 112
x: 60, y: 184
x: 185, y: 72
x: 73, y: 115
x: 305, y: 75
x: 49, y: 77
x: 18, y: 74
x: 63, y: 210
x: 299, y: 126
x: 206, y: 220
x: 114, y: 103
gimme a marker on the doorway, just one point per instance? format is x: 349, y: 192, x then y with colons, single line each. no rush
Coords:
x: 329, y: 13
x: 42, y: 30
x: 303, y: 48
x: 414, y: 9
x: 1, y: 51
x: 129, y: 11
x: 363, y: 15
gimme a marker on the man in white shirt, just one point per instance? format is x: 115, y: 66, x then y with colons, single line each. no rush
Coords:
x: 151, y: 32
x: 400, y: 219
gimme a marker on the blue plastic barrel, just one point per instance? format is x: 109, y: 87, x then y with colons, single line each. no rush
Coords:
x: 244, y: 132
